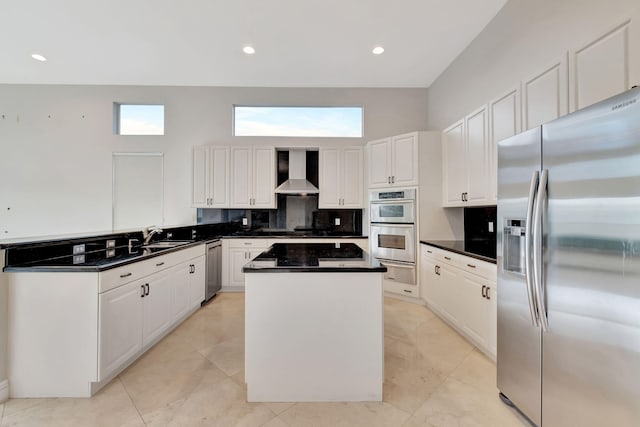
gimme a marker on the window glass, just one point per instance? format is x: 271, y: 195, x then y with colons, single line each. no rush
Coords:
x: 139, y: 119
x: 332, y: 122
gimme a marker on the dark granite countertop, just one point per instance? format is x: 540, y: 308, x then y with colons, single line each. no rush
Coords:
x: 314, y: 258
x: 482, y: 250
x: 97, y: 260
x: 287, y: 234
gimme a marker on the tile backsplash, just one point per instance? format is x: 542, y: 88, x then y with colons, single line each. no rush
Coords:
x: 480, y: 230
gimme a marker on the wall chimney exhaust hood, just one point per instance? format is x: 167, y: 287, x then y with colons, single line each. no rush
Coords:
x: 297, y: 182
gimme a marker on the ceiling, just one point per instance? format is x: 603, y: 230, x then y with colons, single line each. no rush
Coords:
x: 298, y: 43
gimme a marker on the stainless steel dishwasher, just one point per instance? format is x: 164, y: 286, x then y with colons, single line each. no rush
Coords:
x: 213, y: 270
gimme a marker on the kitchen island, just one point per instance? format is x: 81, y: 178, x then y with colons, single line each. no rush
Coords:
x: 314, y: 324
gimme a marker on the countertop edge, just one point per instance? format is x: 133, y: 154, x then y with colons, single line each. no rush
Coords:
x: 469, y: 254
x: 314, y: 270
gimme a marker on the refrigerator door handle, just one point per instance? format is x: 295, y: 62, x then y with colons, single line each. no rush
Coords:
x: 537, y: 250
x: 527, y: 248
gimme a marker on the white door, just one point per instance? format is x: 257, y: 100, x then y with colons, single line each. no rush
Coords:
x: 404, y: 157
x: 264, y: 178
x: 379, y: 158
x: 200, y: 177
x: 157, y: 304
x: 454, y: 171
x: 352, y: 178
x: 120, y: 330
x: 600, y: 69
x: 241, y: 177
x: 330, y: 181
x: 504, y: 116
x: 219, y: 194
x: 474, y: 308
x: 197, y: 281
x: 544, y: 96
x: 477, y: 157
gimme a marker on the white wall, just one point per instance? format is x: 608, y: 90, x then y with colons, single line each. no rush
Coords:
x: 522, y: 40
x: 56, y: 143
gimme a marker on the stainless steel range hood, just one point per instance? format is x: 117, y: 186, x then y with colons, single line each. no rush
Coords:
x: 297, y: 182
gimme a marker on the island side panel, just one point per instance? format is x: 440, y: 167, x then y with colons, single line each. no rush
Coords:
x: 314, y: 337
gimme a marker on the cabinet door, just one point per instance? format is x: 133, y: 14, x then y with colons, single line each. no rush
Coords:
x: 181, y: 290
x: 379, y: 158
x: 197, y: 281
x: 492, y: 292
x: 219, y: 194
x: 454, y: 159
x: 404, y: 160
x: 504, y: 116
x: 157, y: 304
x: 241, y: 177
x: 120, y: 328
x: 544, y: 96
x: 200, y: 177
x: 428, y: 276
x: 264, y: 178
x: 237, y: 258
x: 352, y: 178
x: 447, y: 291
x: 475, y: 308
x: 600, y: 69
x: 477, y: 156
x: 330, y: 181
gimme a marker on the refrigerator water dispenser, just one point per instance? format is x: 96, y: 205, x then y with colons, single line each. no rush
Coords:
x: 514, y: 245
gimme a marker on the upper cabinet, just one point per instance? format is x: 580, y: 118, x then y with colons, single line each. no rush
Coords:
x: 601, y: 67
x: 341, y: 178
x: 393, y: 162
x: 253, y: 177
x: 504, y: 122
x: 544, y: 96
x: 466, y: 165
x: 210, y: 177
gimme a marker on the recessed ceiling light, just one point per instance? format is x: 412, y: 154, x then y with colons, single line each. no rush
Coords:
x: 377, y: 50
x: 248, y: 50
x: 38, y: 57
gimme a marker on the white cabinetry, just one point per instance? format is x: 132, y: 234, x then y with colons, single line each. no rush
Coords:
x: 235, y: 254
x: 341, y: 178
x: 393, y: 162
x: 544, y: 96
x: 210, y: 177
x: 253, y: 177
x: 465, y: 155
x: 504, y: 122
x: 601, y: 67
x: 462, y: 290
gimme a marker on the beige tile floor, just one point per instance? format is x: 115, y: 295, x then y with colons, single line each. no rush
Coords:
x: 194, y: 377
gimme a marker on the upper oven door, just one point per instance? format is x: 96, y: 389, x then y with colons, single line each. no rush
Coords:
x: 393, y: 242
x: 402, y: 212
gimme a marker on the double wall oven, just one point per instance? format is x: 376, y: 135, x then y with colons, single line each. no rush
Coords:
x: 393, y: 232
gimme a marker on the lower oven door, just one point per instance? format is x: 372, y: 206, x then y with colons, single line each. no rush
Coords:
x: 395, y: 242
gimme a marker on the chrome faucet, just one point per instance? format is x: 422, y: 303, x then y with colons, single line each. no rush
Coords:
x: 149, y: 232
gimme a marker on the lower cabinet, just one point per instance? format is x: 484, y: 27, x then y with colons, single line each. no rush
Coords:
x: 461, y: 290
x: 133, y: 316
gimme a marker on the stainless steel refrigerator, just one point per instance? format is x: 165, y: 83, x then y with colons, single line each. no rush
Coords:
x: 568, y: 254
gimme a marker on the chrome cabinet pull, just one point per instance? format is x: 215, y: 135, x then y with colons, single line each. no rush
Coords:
x: 125, y: 275
x: 158, y: 264
x: 147, y: 286
x: 487, y: 293
x: 143, y: 292
x: 471, y: 265
x: 447, y: 258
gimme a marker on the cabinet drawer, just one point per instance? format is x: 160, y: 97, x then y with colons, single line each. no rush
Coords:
x: 248, y: 243
x: 466, y: 263
x: 401, y: 288
x: 111, y: 279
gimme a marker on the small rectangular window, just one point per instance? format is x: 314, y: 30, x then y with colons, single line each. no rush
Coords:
x: 138, y: 119
x: 331, y: 122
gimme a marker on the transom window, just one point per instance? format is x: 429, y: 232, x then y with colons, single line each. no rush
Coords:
x: 139, y: 119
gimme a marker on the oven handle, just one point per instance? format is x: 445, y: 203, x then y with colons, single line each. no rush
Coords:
x: 392, y: 202
x: 393, y: 224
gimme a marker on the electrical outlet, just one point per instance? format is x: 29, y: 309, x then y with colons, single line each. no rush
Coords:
x: 78, y: 249
x: 111, y: 244
x: 490, y: 226
x: 169, y: 235
x: 337, y: 221
x: 245, y: 221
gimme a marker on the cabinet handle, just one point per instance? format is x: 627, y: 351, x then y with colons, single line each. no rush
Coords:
x: 158, y: 264
x: 388, y: 180
x: 143, y: 291
x: 393, y: 179
x: 487, y: 293
x: 248, y: 243
x: 125, y: 275
x: 408, y: 291
x: 471, y: 265
x: 147, y: 286
x: 429, y: 252
x: 438, y: 270
x: 484, y: 287
x: 447, y: 258
x: 193, y: 268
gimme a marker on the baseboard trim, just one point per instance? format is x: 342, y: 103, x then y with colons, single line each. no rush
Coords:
x: 4, y: 390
